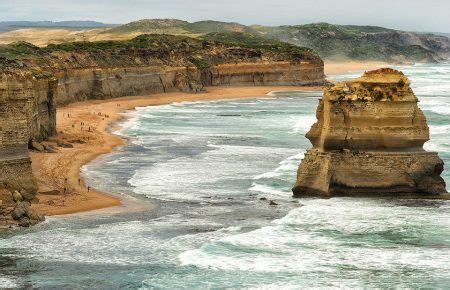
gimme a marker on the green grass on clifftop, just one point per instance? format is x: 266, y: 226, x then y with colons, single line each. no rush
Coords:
x: 155, y: 49
x: 328, y: 40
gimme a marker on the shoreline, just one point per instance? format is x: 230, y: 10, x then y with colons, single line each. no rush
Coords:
x: 91, y: 122
x: 86, y: 126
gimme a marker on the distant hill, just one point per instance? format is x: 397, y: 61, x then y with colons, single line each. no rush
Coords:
x: 175, y: 26
x: 361, y: 42
x: 330, y: 41
x: 13, y: 25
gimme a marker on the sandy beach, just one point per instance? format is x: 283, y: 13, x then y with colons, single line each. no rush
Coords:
x: 85, y: 126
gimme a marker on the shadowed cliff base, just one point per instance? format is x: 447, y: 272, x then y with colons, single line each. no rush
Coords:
x: 368, y: 140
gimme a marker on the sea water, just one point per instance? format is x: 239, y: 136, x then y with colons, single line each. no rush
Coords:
x: 210, y: 169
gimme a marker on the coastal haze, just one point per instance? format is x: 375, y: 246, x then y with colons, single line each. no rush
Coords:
x: 290, y: 144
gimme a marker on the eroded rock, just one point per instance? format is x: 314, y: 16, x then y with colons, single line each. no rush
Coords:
x: 33, y: 145
x: 26, y: 215
x: 63, y: 144
x: 17, y: 197
x: 49, y: 148
x: 368, y: 140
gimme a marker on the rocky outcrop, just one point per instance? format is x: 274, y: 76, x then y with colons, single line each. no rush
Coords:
x: 368, y: 140
x: 16, y: 209
x: 17, y: 118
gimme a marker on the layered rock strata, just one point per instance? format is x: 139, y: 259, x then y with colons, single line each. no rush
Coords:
x: 34, y: 81
x: 18, y: 114
x: 368, y: 140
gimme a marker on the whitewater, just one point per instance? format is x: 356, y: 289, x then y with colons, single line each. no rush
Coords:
x: 210, y: 169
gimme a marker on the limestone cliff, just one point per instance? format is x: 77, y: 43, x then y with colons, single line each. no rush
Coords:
x: 70, y: 72
x: 34, y: 81
x: 368, y: 139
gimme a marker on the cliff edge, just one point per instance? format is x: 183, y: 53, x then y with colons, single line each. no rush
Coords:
x: 368, y: 140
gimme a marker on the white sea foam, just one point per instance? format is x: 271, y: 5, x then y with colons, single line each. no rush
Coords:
x: 439, y: 129
x: 191, y: 177
x: 432, y: 146
x: 7, y: 283
x: 288, y: 165
x: 269, y: 190
x: 318, y: 238
x: 303, y: 124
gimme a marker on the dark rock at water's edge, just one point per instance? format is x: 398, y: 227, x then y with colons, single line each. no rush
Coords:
x: 16, y: 209
x: 368, y: 141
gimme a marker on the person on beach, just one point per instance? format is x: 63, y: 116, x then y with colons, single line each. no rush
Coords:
x: 89, y: 188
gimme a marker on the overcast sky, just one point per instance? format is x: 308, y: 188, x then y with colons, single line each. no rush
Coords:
x: 417, y: 15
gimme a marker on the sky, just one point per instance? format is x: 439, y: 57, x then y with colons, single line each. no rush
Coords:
x: 411, y: 15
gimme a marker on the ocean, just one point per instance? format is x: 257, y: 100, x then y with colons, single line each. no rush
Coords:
x: 210, y: 169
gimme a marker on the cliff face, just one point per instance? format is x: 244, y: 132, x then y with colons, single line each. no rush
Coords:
x: 34, y: 81
x: 104, y: 83
x: 369, y: 140
x: 16, y: 119
x: 61, y: 74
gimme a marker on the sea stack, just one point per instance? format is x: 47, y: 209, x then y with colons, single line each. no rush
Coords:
x: 368, y: 141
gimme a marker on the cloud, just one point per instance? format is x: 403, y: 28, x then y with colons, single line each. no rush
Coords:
x: 416, y: 15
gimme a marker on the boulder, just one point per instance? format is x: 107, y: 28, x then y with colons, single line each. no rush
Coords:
x: 431, y: 185
x: 25, y: 222
x: 26, y: 215
x: 33, y: 145
x: 49, y: 149
x: 35, y: 215
x: 27, y: 195
x: 63, y: 144
x: 51, y: 192
x: 20, y: 211
x: 17, y: 197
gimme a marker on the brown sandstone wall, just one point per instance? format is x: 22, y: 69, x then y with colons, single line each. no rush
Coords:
x: 104, y: 83
x: 265, y: 73
x: 17, y: 120
x: 366, y: 173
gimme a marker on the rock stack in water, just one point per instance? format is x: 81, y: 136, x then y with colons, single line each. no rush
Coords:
x: 368, y: 140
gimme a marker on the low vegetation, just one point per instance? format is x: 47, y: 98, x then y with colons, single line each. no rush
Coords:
x: 155, y: 49
x: 328, y: 40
